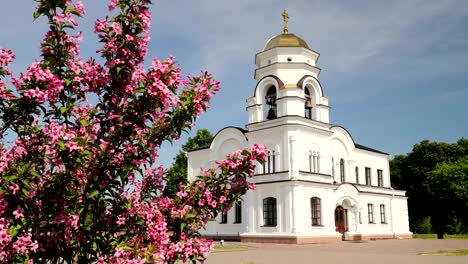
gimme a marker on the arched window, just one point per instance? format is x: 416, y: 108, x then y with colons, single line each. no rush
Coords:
x: 307, y: 104
x: 269, y: 166
x: 316, y: 211
x: 342, y: 169
x: 314, y: 161
x: 333, y: 168
x: 270, y: 100
x: 269, y: 211
x: 357, y: 174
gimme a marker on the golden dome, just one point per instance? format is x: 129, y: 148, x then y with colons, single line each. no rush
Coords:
x: 285, y: 40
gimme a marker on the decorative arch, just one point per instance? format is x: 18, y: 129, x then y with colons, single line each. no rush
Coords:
x: 343, y: 145
x: 344, y: 132
x: 232, y: 136
x: 313, y: 84
x: 264, y: 83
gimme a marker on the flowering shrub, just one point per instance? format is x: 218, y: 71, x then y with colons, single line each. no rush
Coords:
x: 79, y: 183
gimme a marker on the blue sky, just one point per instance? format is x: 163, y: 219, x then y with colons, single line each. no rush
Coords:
x: 396, y: 72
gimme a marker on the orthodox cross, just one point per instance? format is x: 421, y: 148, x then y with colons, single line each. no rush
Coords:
x: 285, y: 19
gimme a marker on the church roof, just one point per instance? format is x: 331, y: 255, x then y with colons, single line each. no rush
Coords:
x: 359, y: 146
x: 285, y: 40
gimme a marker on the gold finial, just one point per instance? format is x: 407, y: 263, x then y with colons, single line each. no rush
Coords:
x: 285, y: 19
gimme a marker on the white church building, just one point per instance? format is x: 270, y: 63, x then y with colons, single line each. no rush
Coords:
x: 317, y: 185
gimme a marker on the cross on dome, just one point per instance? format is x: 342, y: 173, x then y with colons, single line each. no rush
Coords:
x: 285, y: 16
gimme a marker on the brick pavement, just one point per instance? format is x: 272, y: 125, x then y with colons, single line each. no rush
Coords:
x: 375, y: 252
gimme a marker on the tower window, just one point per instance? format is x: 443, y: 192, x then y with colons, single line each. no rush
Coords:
x: 270, y: 100
x: 289, y: 59
x: 308, y: 104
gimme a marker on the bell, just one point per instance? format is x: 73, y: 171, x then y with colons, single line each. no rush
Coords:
x: 308, y: 104
x: 271, y: 114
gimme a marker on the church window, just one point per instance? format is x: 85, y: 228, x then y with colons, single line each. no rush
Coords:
x: 380, y: 178
x: 224, y: 218
x: 314, y: 161
x: 270, y: 100
x: 368, y: 176
x: 308, y: 104
x: 238, y: 213
x: 311, y: 162
x: 357, y: 175
x: 269, y: 211
x: 360, y: 219
x: 370, y: 212
x: 383, y: 219
x: 315, y: 207
x: 342, y: 170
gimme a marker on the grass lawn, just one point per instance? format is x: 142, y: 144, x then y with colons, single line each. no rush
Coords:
x: 458, y: 252
x: 434, y: 236
x: 229, y: 248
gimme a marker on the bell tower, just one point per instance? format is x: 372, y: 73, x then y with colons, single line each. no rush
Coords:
x: 287, y: 81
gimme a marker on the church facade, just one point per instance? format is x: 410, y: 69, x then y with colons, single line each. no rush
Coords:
x: 317, y: 184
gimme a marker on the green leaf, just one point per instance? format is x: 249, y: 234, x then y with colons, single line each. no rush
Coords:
x: 190, y: 215
x: 67, y: 81
x: 93, y: 194
x: 36, y: 14
x: 63, y: 109
x: 83, y: 122
x: 182, y: 226
x: 61, y: 145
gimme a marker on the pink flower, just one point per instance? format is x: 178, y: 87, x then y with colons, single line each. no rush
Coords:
x: 120, y: 220
x: 202, y: 184
x: 79, y: 7
x: 116, y: 27
x: 6, y: 56
x: 14, y: 188
x: 222, y: 199
x: 201, y: 202
x: 181, y: 194
x: 213, y: 203
x: 113, y: 4
x: 18, y: 212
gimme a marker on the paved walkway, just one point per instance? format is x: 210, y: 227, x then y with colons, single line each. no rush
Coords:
x: 367, y: 252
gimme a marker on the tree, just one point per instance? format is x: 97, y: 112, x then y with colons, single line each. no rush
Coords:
x: 69, y: 191
x: 413, y: 171
x: 177, y: 174
x: 448, y: 182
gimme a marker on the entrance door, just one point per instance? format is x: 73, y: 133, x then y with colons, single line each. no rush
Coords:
x: 341, y: 220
